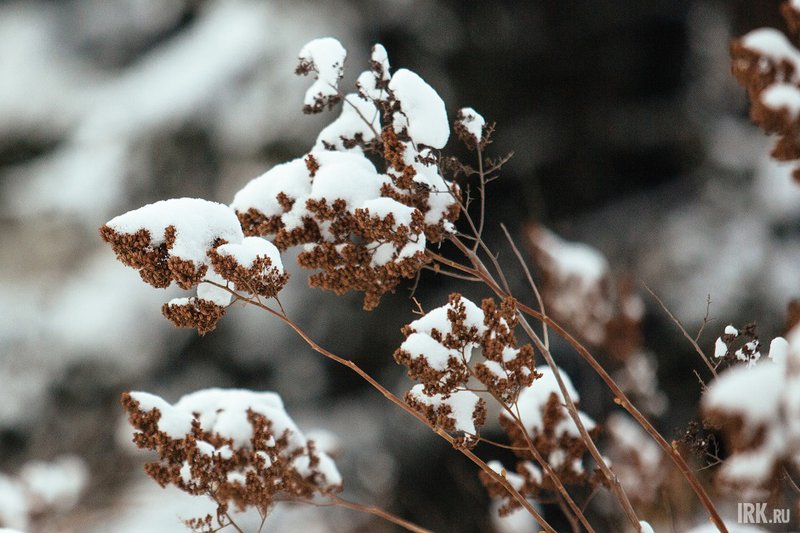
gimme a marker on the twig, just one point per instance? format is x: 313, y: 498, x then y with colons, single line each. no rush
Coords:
x: 533, y: 286
x: 377, y: 511
x: 400, y: 403
x: 677, y: 322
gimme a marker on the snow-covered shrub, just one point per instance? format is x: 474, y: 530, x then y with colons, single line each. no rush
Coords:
x: 767, y: 63
x: 364, y: 205
x: 238, y: 447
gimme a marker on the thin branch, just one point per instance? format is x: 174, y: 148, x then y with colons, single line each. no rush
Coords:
x: 524, y: 265
x: 405, y: 407
x: 377, y: 511
x: 622, y: 400
x: 685, y: 333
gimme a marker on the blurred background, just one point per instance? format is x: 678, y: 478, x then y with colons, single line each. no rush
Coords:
x: 628, y: 133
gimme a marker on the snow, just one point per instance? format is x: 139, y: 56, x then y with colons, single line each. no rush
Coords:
x: 767, y: 412
x: 772, y: 43
x: 720, y: 348
x: 212, y: 293
x: 197, y: 224
x: 383, y: 207
x: 437, y: 319
x: 358, y: 118
x: 13, y: 503
x: 646, y: 527
x: 422, y: 110
x: 779, y: 350
x: 514, y: 479
x: 782, y: 96
x: 473, y: 122
x: 380, y: 56
x: 462, y: 404
x: 434, y: 353
x: 326, y: 466
x: 347, y: 176
x: 518, y: 520
x: 533, y: 400
x: 725, y: 393
x: 260, y: 193
x: 55, y: 485
x: 578, y: 260
x: 175, y: 423
x: 250, y: 249
x: 326, y: 57
x: 224, y: 411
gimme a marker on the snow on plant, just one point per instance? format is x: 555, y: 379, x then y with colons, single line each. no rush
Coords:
x: 541, y: 422
x: 767, y: 63
x: 238, y: 447
x: 364, y: 205
x: 41, y: 489
x: 762, y: 430
x: 438, y: 352
x: 194, y: 243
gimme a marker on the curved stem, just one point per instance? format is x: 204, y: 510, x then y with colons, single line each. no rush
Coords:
x: 572, y: 409
x: 377, y: 511
x: 620, y: 397
x: 400, y: 403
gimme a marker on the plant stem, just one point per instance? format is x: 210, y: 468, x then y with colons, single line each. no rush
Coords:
x: 398, y: 402
x: 377, y: 511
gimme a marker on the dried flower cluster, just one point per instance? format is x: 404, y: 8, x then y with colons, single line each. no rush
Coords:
x: 361, y: 229
x: 195, y: 243
x: 580, y: 292
x: 238, y: 447
x: 438, y: 353
x: 757, y: 407
x: 738, y: 345
x: 767, y: 64
x: 550, y: 430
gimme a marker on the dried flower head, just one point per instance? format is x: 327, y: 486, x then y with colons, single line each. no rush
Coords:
x: 552, y: 432
x: 767, y: 64
x: 757, y: 407
x: 238, y: 447
x: 738, y: 345
x: 325, y: 59
x: 195, y: 243
x: 580, y: 292
x: 438, y: 352
x: 361, y: 229
x: 469, y: 128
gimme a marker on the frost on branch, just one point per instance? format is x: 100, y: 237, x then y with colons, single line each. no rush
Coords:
x: 767, y: 64
x: 325, y: 58
x: 758, y: 409
x: 438, y: 353
x: 238, y: 447
x: 195, y: 243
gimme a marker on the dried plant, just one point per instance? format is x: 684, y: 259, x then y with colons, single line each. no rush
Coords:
x: 363, y: 205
